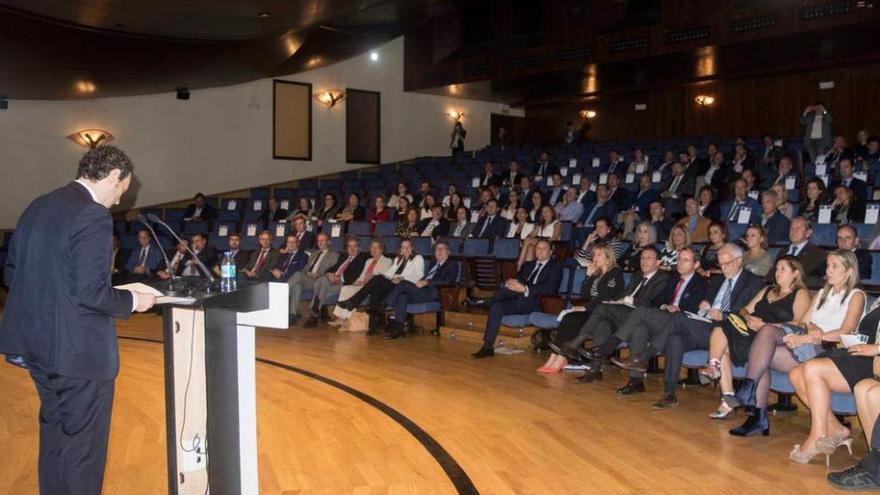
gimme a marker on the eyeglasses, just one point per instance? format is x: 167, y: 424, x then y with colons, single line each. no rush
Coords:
x: 723, y: 263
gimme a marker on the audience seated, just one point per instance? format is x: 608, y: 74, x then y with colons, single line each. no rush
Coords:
x: 675, y: 189
x: 603, y: 282
x: 784, y: 302
x: 407, y: 265
x: 616, y: 194
x: 604, y: 234
x: 199, y: 209
x: 272, y: 213
x: 848, y: 239
x: 708, y: 257
x: 678, y: 240
x: 376, y: 264
x: 442, y: 272
x: 176, y: 260
x: 811, y: 258
x: 145, y: 259
x: 239, y: 256
x: 352, y: 211
x: 205, y: 253
x: 521, y: 295
x: 346, y: 270
x: 408, y: 224
x: 544, y: 167
x: 328, y: 210
x: 757, y: 259
x: 321, y: 259
x: 261, y: 260
x: 697, y: 225
x: 569, y: 209
x: 547, y: 228
x: 435, y: 226
x: 741, y: 208
x: 303, y: 235
x: 645, y: 289
x: 305, y: 210
x: 814, y: 198
x: 378, y: 213
x: 775, y: 223
x: 683, y: 292
x: 520, y: 225
x: 645, y: 236
x: 602, y: 207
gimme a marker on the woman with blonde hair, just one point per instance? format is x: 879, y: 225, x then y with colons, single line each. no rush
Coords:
x: 729, y: 344
x: 678, y: 239
x: 604, y: 282
x: 756, y: 258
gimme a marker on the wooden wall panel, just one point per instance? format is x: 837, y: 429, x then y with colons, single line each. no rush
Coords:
x: 743, y: 106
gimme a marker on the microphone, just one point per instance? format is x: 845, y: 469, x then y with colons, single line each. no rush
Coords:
x: 144, y: 221
x: 198, y: 262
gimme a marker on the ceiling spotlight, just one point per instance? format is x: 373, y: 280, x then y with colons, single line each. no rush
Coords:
x: 374, y: 56
x: 263, y: 15
x: 704, y: 100
x: 91, y: 138
x: 588, y: 114
x: 182, y: 93
x: 85, y: 87
x: 331, y: 97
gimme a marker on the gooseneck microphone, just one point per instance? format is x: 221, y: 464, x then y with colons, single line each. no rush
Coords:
x: 198, y: 262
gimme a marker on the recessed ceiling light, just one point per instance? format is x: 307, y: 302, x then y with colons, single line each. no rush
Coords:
x: 374, y: 56
x: 263, y: 15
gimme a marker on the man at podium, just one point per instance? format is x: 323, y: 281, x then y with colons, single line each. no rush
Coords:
x: 59, y: 318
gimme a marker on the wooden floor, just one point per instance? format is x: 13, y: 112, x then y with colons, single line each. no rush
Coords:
x: 510, y: 429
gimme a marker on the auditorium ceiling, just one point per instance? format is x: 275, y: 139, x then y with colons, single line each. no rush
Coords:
x: 65, y: 49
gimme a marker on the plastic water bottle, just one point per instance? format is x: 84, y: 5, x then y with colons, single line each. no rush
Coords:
x: 228, y: 273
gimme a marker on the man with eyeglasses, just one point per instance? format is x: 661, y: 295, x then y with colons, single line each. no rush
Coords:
x: 726, y: 295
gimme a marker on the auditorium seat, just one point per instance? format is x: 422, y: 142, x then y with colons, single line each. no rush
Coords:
x: 506, y: 249
x: 422, y: 246
x: 279, y: 232
x: 174, y: 214
x: 824, y: 234
x: 385, y: 229
x: 196, y: 227
x: 254, y: 208
x: 392, y: 244
x: 228, y: 215
x: 259, y: 193
x: 359, y: 228
x: 436, y: 307
x: 475, y: 247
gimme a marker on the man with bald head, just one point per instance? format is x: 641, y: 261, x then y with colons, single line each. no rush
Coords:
x: 812, y: 257
x: 320, y: 262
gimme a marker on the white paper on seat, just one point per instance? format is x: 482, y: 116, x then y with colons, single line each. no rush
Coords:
x: 223, y: 231
x: 790, y: 182
x: 744, y: 215
x: 572, y: 162
x: 656, y: 177
x: 258, y: 204
x: 603, y: 178
x: 596, y: 163
x: 231, y: 205
x: 251, y: 230
x: 825, y: 214
x: 871, y: 212
x: 630, y: 177
x: 576, y: 179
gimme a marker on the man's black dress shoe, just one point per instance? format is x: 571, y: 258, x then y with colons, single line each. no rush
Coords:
x: 667, y: 401
x: 590, y: 376
x: 853, y: 479
x: 484, y: 352
x: 632, y: 364
x: 632, y: 387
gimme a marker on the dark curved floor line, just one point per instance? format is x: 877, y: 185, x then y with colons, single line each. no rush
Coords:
x: 453, y: 470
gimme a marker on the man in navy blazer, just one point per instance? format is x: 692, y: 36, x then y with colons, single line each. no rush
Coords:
x: 646, y: 195
x: 521, y: 295
x: 726, y: 295
x: 857, y: 186
x: 491, y: 225
x: 602, y: 207
x: 730, y: 209
x: 289, y: 260
x: 775, y: 224
x: 682, y: 293
x: 442, y: 272
x: 144, y: 259
x: 59, y: 318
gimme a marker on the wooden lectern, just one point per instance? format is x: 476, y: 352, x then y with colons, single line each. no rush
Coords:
x: 210, y: 387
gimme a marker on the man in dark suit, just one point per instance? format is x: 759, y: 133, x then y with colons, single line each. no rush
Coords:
x: 543, y: 167
x: 491, y: 225
x: 812, y: 257
x: 675, y: 189
x: 682, y: 293
x: 145, y: 259
x: 615, y: 165
x: 262, y: 259
x: 199, y: 209
x: 176, y: 256
x: 555, y: 190
x: 434, y: 227
x: 716, y: 175
x: 725, y: 295
x: 288, y: 260
x: 346, y: 270
x: 774, y: 222
x: 306, y: 238
x: 767, y: 161
x: 730, y: 209
x: 644, y: 197
x: 848, y: 238
x: 205, y: 253
x: 585, y: 196
x: 521, y: 295
x: 645, y: 290
x: 856, y: 185
x: 489, y: 177
x: 526, y: 189
x: 239, y: 256
x: 657, y: 216
x: 59, y: 318
x: 616, y: 194
x: 273, y: 213
x: 511, y: 177
x: 783, y: 169
x: 442, y: 272
x: 601, y: 207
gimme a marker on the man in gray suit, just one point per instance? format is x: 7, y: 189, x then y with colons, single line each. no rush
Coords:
x: 320, y: 261
x: 817, y: 129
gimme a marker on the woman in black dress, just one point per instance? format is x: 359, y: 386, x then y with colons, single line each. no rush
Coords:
x: 604, y: 282
x: 787, y: 301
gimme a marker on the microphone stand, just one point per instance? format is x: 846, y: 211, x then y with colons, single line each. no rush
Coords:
x: 174, y: 278
x: 196, y: 260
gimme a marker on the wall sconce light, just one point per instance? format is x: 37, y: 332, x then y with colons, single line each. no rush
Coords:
x: 456, y: 116
x: 588, y: 114
x: 91, y: 138
x: 704, y: 100
x: 330, y: 98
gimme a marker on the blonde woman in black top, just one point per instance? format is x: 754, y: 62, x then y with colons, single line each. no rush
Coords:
x: 604, y: 282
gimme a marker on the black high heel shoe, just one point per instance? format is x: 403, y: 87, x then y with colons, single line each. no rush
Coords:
x: 756, y: 424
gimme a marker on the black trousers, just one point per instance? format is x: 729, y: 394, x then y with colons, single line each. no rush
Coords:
x: 74, y: 430
x: 570, y: 326
x: 685, y: 335
x: 377, y: 289
x: 602, y: 324
x: 871, y: 462
x: 641, y: 327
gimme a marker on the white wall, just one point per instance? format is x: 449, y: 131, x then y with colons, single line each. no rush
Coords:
x: 220, y: 140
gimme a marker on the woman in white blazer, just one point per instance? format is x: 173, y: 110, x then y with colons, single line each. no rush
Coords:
x: 377, y: 264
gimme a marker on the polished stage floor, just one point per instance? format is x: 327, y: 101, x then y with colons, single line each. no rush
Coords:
x: 343, y: 413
